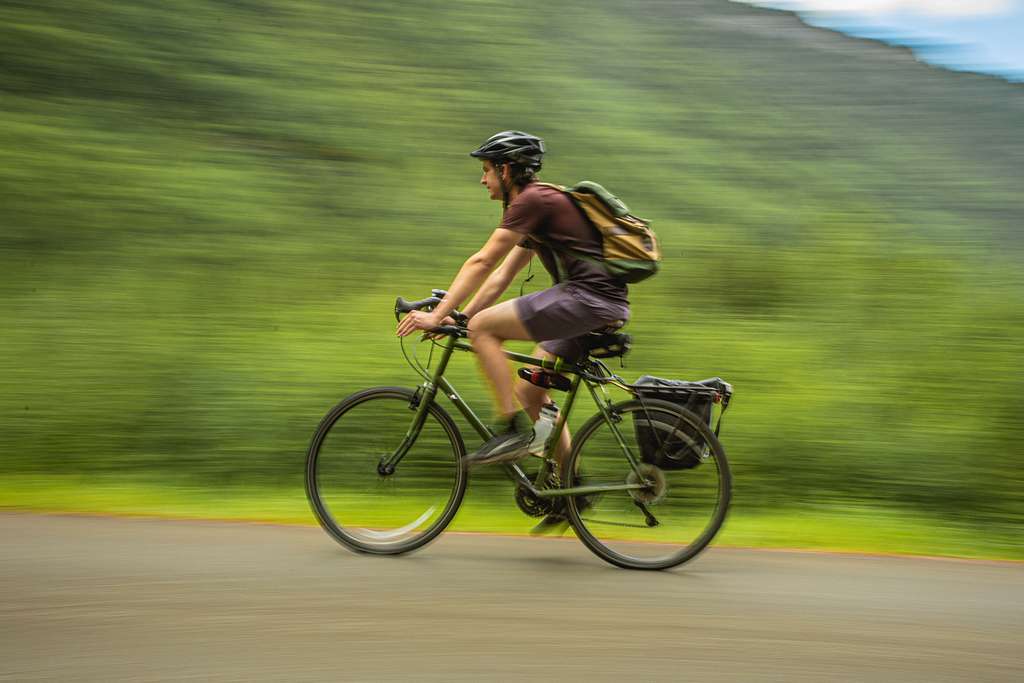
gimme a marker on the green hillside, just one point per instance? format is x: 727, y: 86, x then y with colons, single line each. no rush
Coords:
x: 207, y: 209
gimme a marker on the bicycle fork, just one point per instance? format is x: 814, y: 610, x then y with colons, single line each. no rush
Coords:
x: 421, y: 401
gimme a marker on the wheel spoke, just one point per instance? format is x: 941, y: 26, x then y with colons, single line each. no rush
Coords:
x: 400, y: 531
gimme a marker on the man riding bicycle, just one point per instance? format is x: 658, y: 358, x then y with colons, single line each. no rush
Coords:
x: 537, y: 219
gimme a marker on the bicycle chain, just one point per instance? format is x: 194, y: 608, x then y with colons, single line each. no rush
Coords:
x: 601, y: 521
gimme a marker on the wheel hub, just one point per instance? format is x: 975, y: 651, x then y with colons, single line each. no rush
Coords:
x: 657, y: 487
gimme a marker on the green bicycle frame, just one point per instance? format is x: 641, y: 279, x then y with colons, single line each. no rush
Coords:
x: 429, y: 389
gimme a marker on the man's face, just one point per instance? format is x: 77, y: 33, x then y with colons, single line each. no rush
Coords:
x: 490, y: 180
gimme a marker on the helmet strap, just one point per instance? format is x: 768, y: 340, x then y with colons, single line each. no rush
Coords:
x: 504, y: 187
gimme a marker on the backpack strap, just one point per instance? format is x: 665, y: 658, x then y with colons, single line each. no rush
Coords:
x: 563, y: 276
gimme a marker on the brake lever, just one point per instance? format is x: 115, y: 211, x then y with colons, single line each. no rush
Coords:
x: 449, y: 330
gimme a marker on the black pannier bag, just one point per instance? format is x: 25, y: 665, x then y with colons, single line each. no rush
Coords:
x: 677, y: 446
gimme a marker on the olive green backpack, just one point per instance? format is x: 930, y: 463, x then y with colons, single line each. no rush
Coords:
x: 630, y: 247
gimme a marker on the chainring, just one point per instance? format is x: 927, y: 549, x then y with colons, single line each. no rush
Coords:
x: 655, y: 493
x: 531, y: 504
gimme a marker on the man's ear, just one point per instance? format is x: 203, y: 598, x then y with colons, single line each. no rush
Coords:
x: 506, y: 173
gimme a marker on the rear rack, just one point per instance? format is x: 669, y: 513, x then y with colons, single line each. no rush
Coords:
x: 715, y: 388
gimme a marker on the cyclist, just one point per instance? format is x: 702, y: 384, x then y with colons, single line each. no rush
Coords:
x: 537, y: 219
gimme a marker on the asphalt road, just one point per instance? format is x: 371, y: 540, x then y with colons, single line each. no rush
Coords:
x: 130, y: 599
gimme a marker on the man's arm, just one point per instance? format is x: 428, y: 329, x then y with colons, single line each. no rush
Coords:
x: 476, y: 269
x: 499, y: 281
x: 472, y: 274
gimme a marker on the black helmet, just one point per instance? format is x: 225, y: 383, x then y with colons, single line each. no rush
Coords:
x: 512, y: 146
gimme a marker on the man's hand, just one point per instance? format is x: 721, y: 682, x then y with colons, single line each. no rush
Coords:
x: 448, y: 320
x: 418, y: 320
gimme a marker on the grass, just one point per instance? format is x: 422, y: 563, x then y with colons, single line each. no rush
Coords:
x: 883, y: 530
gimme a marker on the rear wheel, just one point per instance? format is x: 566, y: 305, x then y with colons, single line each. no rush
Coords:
x: 357, y: 501
x: 678, y: 511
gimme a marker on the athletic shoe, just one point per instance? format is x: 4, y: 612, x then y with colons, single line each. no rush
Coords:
x: 510, y: 444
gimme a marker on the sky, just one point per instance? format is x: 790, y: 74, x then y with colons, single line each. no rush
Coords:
x: 972, y: 35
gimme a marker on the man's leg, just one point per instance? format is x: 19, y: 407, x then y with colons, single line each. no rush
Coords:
x: 488, y: 330
x: 532, y: 397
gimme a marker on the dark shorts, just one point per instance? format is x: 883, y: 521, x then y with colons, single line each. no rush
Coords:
x: 559, y: 316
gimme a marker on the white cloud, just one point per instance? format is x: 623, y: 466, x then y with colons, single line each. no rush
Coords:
x: 948, y: 8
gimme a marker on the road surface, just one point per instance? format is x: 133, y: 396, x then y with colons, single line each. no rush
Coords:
x: 105, y: 599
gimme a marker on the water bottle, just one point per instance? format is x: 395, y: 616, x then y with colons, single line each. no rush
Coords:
x: 542, y: 428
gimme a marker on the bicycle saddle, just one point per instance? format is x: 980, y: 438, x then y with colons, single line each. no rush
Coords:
x: 606, y: 343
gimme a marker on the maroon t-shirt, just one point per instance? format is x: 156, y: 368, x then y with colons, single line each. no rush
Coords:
x: 545, y: 214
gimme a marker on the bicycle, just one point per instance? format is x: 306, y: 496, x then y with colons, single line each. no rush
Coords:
x: 382, y: 481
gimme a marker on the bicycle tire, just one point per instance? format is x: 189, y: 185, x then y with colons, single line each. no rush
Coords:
x: 613, y: 526
x: 367, y: 511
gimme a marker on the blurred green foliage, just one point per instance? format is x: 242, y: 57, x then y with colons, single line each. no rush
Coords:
x: 208, y: 208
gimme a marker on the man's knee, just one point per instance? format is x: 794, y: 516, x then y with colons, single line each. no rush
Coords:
x: 479, y: 332
x: 499, y: 321
x: 480, y: 327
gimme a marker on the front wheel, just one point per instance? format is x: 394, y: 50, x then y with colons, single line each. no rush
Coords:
x: 685, y: 477
x: 357, y: 500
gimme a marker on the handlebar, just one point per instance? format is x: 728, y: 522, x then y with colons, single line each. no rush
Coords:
x: 403, y: 305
